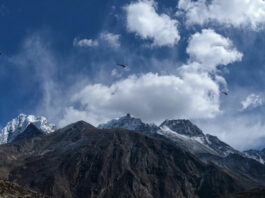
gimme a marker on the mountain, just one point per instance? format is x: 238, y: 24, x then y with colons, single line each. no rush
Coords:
x: 81, y: 161
x: 182, y: 132
x: 18, y: 125
x: 186, y: 130
x: 208, y: 148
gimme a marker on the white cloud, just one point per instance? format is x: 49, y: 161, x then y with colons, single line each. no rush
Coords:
x: 143, y: 20
x: 85, y: 43
x: 236, y: 13
x: 112, y: 39
x: 252, y: 101
x: 153, y: 97
x: 211, y: 49
x: 208, y: 51
x: 72, y: 115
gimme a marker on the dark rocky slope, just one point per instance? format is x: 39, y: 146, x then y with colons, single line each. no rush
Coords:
x: 82, y: 161
x: 245, y: 168
x: 255, y: 193
x: 12, y: 190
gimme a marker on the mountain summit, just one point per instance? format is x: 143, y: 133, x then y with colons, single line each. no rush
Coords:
x: 19, y: 124
x: 184, y: 127
x: 130, y: 123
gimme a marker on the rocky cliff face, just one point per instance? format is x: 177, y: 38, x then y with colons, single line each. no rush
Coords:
x: 82, y: 161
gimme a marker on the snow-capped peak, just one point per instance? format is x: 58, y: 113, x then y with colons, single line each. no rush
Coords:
x: 131, y: 123
x: 20, y: 123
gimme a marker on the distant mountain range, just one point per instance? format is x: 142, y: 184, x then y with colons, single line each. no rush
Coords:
x: 182, y: 132
x: 125, y: 158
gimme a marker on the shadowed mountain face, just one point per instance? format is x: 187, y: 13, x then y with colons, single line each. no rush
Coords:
x: 82, y: 161
x: 245, y: 168
x: 30, y: 132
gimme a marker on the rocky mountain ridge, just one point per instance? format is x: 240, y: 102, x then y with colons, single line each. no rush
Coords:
x: 184, y: 134
x: 176, y: 130
x: 82, y: 161
x: 31, y: 159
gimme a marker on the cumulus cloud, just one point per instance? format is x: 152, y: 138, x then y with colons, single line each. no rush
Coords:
x: 194, y: 93
x: 208, y: 50
x: 72, y: 115
x: 143, y: 20
x: 151, y: 97
x: 236, y: 13
x: 252, y: 101
x: 211, y: 49
x: 85, y: 43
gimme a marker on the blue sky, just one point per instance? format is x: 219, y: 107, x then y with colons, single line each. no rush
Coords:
x: 59, y: 60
